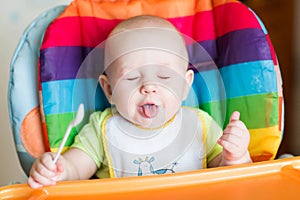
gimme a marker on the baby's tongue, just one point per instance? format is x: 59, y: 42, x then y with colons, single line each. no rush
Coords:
x: 150, y: 110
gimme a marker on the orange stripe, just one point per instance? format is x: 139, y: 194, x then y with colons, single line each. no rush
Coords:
x: 116, y: 9
x: 221, y: 2
x: 280, y: 120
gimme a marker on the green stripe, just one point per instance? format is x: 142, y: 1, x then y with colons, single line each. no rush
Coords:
x: 57, y: 125
x: 257, y: 111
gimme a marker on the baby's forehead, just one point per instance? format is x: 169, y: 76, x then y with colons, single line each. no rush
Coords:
x: 147, y: 60
x: 143, y: 32
x: 142, y: 22
x: 160, y: 39
x: 145, y: 38
x: 150, y: 56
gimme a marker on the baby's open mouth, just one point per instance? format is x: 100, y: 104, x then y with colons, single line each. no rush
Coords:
x: 149, y: 110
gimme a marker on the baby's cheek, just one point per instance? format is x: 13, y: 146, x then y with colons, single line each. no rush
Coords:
x: 126, y: 102
x: 176, y: 89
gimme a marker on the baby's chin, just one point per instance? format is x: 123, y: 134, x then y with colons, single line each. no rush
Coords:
x: 151, y: 125
x: 156, y: 122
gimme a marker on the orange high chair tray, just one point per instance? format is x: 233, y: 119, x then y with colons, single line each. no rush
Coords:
x: 274, y: 180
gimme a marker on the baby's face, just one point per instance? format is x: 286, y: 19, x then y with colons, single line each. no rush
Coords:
x: 148, y: 86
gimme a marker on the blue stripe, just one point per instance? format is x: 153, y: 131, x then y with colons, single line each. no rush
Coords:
x: 233, y: 81
x: 249, y: 78
x: 65, y: 96
x: 207, y: 86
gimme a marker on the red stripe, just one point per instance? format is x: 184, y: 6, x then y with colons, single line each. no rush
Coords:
x: 39, y: 77
x: 199, y: 27
x: 206, y: 25
x: 233, y: 16
x: 90, y: 31
x: 46, y: 139
x: 77, y: 31
x: 274, y: 57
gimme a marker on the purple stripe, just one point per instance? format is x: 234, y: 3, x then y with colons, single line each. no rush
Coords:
x: 243, y: 46
x: 233, y: 48
x: 202, y: 55
x: 60, y: 63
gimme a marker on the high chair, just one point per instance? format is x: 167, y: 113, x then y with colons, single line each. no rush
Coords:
x: 52, y: 71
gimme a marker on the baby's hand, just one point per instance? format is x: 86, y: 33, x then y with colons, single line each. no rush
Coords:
x: 235, y: 141
x: 44, y: 171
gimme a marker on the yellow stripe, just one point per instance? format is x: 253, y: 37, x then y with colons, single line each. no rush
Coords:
x: 129, y: 8
x: 56, y: 149
x: 105, y: 146
x: 264, y: 143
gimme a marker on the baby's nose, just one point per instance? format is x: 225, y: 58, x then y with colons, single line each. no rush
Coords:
x: 148, y: 88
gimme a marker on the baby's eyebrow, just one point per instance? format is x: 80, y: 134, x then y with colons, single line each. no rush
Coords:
x: 123, y: 71
x: 164, y: 64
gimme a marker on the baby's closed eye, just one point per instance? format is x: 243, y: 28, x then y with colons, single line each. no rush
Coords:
x: 164, y: 76
x: 132, y: 78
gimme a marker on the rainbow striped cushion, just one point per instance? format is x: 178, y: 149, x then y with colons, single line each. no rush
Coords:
x: 245, y: 76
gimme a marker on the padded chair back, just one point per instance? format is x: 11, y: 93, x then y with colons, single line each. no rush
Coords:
x: 229, y: 49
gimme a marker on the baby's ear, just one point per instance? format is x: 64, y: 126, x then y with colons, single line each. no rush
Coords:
x: 189, y: 78
x: 106, y: 87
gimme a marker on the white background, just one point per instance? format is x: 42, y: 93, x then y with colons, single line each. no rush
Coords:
x: 15, y: 16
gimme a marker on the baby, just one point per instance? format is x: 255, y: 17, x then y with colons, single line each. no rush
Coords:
x: 147, y: 130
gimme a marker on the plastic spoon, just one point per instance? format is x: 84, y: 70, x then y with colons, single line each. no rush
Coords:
x: 73, y: 123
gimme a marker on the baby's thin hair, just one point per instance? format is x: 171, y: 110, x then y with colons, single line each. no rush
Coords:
x: 143, y: 21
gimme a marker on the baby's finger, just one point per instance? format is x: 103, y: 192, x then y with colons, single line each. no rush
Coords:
x: 60, y: 165
x: 235, y: 116
x: 228, y: 146
x: 33, y: 184
x: 236, y: 131
x: 238, y: 124
x: 47, y: 162
x: 241, y: 140
x: 45, y: 170
x: 232, y: 151
x: 235, y: 139
x: 40, y: 179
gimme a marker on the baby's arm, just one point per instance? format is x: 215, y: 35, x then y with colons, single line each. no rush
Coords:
x: 72, y: 165
x: 235, y: 141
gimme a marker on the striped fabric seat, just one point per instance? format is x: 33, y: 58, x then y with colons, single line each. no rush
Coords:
x: 229, y: 49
